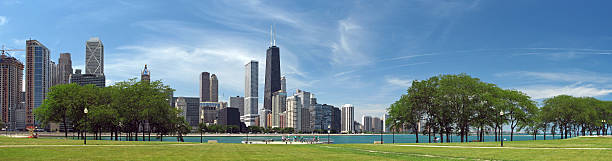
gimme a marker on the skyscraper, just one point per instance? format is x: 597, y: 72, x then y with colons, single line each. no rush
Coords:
x: 181, y: 105
x: 273, y: 77
x: 65, y: 67
x: 348, y: 123
x: 11, y: 72
x: 37, y: 77
x: 294, y: 113
x: 145, y: 75
x: 237, y: 102
x: 205, y: 87
x: 366, y: 121
x: 214, y: 88
x: 283, y: 84
x: 279, y: 102
x: 94, y: 56
x: 250, y: 92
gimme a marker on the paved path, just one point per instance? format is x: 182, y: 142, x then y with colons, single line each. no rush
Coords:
x: 492, y: 147
x: 20, y: 146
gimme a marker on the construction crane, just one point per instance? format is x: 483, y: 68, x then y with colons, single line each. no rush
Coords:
x: 4, y: 50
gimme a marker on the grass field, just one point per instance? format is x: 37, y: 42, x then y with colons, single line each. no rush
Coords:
x: 59, y: 149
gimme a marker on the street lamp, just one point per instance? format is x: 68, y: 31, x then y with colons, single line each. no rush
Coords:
x: 501, y: 129
x: 85, y: 111
x: 201, y: 129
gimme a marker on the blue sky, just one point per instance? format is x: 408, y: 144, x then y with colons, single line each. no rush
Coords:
x: 364, y: 53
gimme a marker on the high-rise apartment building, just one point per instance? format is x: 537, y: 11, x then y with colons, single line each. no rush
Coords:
x: 214, y: 88
x: 145, y: 75
x: 65, y: 67
x: 205, y: 87
x: 294, y: 113
x: 273, y: 73
x: 11, y: 74
x: 348, y: 118
x: 376, y: 124
x: 37, y: 77
x: 336, y: 119
x: 366, y: 122
x: 94, y: 56
x: 250, y: 92
x: 54, y: 75
x: 279, y: 103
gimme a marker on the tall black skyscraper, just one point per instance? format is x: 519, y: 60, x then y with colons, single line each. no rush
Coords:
x: 273, y: 76
x: 205, y: 87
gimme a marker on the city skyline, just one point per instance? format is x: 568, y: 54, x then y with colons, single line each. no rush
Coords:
x: 343, y: 56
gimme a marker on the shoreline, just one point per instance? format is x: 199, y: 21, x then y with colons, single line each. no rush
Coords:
x: 56, y: 134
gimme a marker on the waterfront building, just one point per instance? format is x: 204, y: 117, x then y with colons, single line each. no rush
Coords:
x: 65, y: 68
x: 192, y: 112
x: 94, y: 56
x: 264, y: 118
x: 84, y: 79
x: 282, y: 118
x: 376, y: 124
x: 366, y: 122
x: 145, y: 75
x: 181, y: 105
x: 273, y: 72
x: 305, y: 120
x: 348, y: 119
x: 37, y: 78
x: 11, y: 77
x: 204, y: 87
x: 357, y: 127
x: 209, y: 112
x: 336, y: 119
x: 294, y: 113
x: 320, y: 117
x: 279, y: 101
x: 229, y: 116
x: 384, y: 120
x: 237, y: 102
x: 214, y: 88
x: 250, y: 93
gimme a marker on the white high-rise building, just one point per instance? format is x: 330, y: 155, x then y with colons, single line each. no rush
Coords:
x: 181, y: 105
x: 348, y: 123
x: 283, y: 84
x: 250, y: 93
x: 384, y: 120
x: 279, y: 99
x: 94, y: 56
x: 294, y: 113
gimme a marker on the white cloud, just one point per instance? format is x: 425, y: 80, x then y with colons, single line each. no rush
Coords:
x: 3, y: 20
x: 399, y: 82
x: 574, y: 76
x: 347, y: 50
x: 577, y: 90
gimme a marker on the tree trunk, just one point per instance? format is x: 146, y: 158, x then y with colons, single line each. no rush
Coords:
x: 65, y: 129
x: 511, y: 133
x: 416, y: 134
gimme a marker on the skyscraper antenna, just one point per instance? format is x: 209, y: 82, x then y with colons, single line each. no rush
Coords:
x: 271, y: 36
x: 274, y: 40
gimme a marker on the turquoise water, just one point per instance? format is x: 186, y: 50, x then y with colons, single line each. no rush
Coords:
x: 344, y: 139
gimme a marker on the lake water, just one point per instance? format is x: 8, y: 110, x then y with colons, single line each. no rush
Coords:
x: 345, y: 139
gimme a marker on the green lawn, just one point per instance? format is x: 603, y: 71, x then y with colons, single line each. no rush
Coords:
x: 114, y: 150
